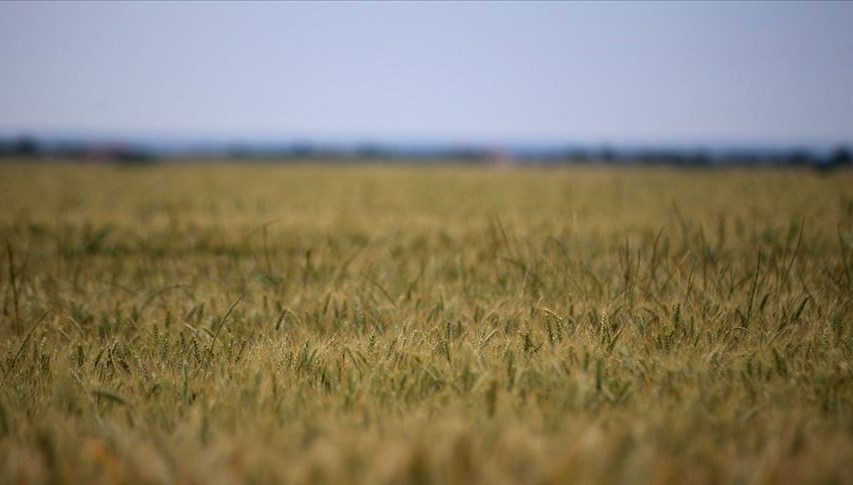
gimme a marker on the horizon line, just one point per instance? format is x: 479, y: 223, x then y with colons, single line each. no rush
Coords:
x: 151, y: 137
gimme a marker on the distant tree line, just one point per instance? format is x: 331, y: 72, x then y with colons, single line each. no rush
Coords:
x: 29, y: 147
x: 840, y: 157
x: 23, y: 147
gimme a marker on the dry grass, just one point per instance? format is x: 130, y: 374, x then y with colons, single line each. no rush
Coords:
x: 212, y: 324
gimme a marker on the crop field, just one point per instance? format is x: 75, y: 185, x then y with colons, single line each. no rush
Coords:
x: 318, y: 324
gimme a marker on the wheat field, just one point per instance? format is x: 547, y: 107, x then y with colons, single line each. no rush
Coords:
x: 213, y: 323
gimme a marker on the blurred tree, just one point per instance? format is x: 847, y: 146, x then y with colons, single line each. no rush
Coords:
x: 840, y: 157
x: 25, y: 146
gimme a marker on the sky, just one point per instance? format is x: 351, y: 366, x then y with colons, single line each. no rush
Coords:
x: 665, y: 73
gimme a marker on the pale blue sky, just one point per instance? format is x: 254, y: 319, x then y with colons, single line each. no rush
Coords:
x: 463, y: 72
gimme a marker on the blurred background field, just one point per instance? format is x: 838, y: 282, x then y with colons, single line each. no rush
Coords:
x: 441, y: 324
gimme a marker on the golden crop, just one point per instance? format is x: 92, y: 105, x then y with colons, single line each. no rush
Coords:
x: 220, y: 324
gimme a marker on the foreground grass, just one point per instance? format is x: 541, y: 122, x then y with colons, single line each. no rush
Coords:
x: 211, y: 324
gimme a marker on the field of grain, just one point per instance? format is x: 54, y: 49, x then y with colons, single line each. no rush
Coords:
x: 217, y: 324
